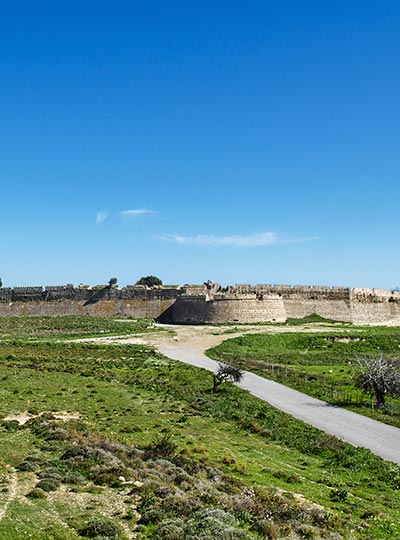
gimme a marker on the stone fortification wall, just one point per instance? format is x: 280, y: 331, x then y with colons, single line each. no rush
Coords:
x: 299, y: 300
x: 241, y: 303
x: 99, y: 301
x: 193, y: 304
x: 228, y: 308
x: 375, y: 306
x: 329, y: 302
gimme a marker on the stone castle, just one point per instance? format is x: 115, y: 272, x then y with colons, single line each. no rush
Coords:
x: 207, y: 304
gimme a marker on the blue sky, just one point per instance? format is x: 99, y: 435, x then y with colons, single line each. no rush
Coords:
x: 244, y: 142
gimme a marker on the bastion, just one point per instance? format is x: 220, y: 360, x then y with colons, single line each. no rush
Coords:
x: 208, y: 303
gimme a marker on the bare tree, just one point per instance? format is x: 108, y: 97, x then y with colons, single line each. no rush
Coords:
x: 226, y: 373
x: 378, y: 376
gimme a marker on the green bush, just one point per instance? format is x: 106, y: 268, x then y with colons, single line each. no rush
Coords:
x: 37, y: 493
x: 162, y: 447
x: 338, y: 495
x: 27, y: 465
x: 101, y: 527
x: 10, y: 425
x: 169, y: 530
x: 48, y: 484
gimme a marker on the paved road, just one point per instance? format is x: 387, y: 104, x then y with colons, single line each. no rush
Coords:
x: 358, y: 430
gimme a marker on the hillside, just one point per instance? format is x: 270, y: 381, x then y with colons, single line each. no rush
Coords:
x: 117, y: 441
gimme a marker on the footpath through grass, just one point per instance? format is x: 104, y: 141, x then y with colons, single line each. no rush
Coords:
x: 153, y: 451
x: 319, y: 364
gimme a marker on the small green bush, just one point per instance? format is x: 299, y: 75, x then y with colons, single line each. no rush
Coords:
x: 266, y: 528
x: 288, y: 477
x: 101, y: 527
x: 154, y: 515
x: 11, y: 425
x: 48, y: 484
x: 162, y: 447
x: 37, y: 493
x: 169, y: 530
x: 338, y: 495
x: 74, y: 478
x: 51, y: 473
x: 27, y: 466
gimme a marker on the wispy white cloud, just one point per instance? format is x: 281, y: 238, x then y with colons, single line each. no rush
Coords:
x: 101, y: 216
x: 268, y: 238
x: 137, y: 212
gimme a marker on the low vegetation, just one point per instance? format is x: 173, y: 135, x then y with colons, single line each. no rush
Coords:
x: 71, y: 326
x: 116, y: 441
x: 323, y: 364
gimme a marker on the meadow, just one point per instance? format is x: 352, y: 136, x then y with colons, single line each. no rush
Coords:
x: 117, y: 441
x: 32, y: 328
x: 321, y: 365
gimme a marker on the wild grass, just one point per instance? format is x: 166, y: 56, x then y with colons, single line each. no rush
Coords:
x: 319, y: 364
x: 151, y: 439
x: 68, y: 327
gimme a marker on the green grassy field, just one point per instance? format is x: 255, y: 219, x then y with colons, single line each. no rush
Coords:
x: 72, y: 326
x: 120, y: 441
x: 320, y: 365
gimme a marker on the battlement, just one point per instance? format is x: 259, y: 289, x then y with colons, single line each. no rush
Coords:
x: 291, y: 289
x: 69, y: 292
x: 51, y: 292
x: 207, y: 303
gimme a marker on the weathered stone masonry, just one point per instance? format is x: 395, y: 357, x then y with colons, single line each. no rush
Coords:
x: 99, y: 302
x: 193, y: 305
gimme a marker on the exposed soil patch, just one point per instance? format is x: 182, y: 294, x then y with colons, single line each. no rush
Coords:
x: 24, y: 417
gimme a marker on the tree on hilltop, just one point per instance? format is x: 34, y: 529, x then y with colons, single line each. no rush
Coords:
x: 149, y: 281
x: 378, y: 376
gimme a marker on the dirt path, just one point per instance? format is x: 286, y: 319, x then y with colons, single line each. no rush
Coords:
x: 189, y: 343
x: 11, y: 494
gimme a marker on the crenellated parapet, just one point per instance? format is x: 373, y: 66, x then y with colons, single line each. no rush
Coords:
x: 5, y: 294
x: 375, y: 295
x: 207, y: 303
x: 287, y: 291
x: 56, y: 293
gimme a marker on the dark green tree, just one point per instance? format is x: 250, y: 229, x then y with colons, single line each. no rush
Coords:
x: 112, y: 282
x: 149, y: 281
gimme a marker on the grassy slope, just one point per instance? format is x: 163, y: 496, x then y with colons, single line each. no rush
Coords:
x: 128, y: 397
x: 320, y: 364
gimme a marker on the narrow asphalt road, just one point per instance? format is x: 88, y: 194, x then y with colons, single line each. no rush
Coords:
x: 189, y: 343
x: 358, y: 430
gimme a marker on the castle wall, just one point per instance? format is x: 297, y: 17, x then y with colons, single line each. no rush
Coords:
x: 336, y: 310
x: 375, y: 306
x: 238, y: 308
x: 329, y: 303
x: 100, y: 302
x: 145, y: 308
x: 242, y: 303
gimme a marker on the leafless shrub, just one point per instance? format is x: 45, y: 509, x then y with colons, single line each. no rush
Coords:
x: 378, y: 376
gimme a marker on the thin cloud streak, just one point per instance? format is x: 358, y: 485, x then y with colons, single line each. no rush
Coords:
x: 252, y: 240
x: 137, y: 212
x: 101, y: 216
